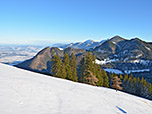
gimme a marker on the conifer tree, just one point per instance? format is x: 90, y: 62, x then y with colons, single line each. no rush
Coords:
x: 105, y: 78
x: 111, y: 75
x: 67, y: 66
x: 56, y: 65
x: 88, y: 68
x: 134, y: 83
x: 99, y: 76
x: 121, y: 77
x: 91, y: 79
x: 81, y: 70
x: 124, y: 85
x: 142, y: 86
x: 73, y: 65
x: 89, y: 61
x: 62, y: 72
x: 138, y: 86
x: 116, y: 83
x: 129, y: 84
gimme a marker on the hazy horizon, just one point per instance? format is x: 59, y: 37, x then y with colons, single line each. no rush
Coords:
x: 37, y: 22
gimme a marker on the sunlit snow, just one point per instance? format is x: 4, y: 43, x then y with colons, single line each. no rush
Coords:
x: 25, y: 92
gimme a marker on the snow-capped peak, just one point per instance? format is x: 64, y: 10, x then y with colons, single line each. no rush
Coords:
x: 89, y: 41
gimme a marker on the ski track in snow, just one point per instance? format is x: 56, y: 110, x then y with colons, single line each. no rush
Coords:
x: 122, y: 110
x: 25, y: 92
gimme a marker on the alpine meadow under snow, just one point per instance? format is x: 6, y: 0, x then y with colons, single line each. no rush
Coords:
x: 25, y: 92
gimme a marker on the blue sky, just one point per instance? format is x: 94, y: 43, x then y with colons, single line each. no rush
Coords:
x: 50, y: 21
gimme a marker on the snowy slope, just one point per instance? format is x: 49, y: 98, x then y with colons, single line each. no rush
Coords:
x: 25, y: 92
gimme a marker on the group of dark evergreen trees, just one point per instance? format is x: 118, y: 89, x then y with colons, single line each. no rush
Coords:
x: 137, y: 86
x: 89, y: 72
x: 66, y: 68
x: 132, y: 85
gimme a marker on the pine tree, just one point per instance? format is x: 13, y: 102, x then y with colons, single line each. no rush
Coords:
x: 105, y: 78
x: 88, y: 68
x: 99, y: 76
x: 56, y: 65
x: 125, y: 85
x: 121, y: 77
x: 89, y: 61
x: 134, y: 89
x: 129, y: 84
x: 138, y: 87
x: 142, y: 86
x: 111, y: 75
x: 81, y: 70
x: 73, y: 65
x: 67, y: 66
x: 116, y: 83
x: 91, y: 79
x: 62, y: 73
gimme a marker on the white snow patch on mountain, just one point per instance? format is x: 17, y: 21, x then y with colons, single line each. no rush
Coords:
x: 145, y: 62
x: 105, y: 61
x: 25, y: 92
x: 61, y: 49
x: 116, y: 71
x: 100, y: 61
x: 147, y: 48
x: 132, y: 71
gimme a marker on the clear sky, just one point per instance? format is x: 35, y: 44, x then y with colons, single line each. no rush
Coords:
x: 46, y: 21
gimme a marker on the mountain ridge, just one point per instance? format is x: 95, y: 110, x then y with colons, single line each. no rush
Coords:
x: 115, y: 53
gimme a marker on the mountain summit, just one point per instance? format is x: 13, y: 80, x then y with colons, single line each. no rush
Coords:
x: 88, y: 44
x: 117, y: 39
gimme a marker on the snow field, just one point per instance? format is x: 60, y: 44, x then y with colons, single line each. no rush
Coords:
x: 25, y: 92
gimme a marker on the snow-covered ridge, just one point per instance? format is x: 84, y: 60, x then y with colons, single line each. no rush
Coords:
x: 25, y: 92
x: 88, y: 44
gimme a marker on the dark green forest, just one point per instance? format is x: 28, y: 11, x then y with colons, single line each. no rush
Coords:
x: 87, y: 71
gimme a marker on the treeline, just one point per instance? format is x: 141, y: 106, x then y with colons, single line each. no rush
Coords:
x: 90, y: 73
x: 133, y: 85
x: 137, y: 86
x: 65, y: 68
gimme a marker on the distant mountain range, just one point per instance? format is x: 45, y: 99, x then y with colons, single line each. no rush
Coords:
x: 88, y: 44
x: 127, y: 56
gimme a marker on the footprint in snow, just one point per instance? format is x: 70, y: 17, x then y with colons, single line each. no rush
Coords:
x: 20, y: 102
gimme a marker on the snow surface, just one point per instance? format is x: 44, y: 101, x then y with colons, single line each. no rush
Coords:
x: 132, y: 71
x: 25, y: 92
x: 61, y: 49
x: 105, y: 61
x: 116, y: 71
